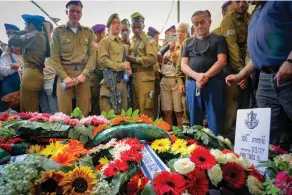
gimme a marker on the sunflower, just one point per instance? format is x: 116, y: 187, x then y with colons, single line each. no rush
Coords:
x: 234, y: 175
x: 98, y: 129
x: 34, y: 149
x: 48, y: 184
x: 179, y: 146
x: 64, y: 159
x: 52, y: 149
x: 79, y: 181
x: 163, y: 125
x: 203, y: 158
x: 161, y: 145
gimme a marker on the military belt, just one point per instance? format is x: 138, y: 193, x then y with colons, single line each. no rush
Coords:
x: 269, y: 70
x: 39, y: 67
x: 75, y: 66
x: 136, y: 70
x: 169, y: 77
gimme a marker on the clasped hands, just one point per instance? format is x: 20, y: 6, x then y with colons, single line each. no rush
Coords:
x: 70, y: 82
x: 201, y: 79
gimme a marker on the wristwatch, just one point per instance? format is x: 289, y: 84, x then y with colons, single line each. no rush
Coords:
x: 289, y: 60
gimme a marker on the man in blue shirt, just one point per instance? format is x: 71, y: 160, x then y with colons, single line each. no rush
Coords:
x: 270, y: 46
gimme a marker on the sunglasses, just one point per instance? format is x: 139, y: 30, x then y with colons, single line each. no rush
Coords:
x: 201, y: 52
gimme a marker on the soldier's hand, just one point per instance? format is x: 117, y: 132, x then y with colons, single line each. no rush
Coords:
x: 69, y: 82
x: 243, y: 83
x: 284, y: 73
x: 81, y: 78
x: 181, y: 89
x: 131, y: 59
x: 233, y: 78
x: 15, y: 66
x: 128, y: 68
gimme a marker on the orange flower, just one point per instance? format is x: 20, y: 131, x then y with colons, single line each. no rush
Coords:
x: 119, y: 119
x: 163, y: 125
x: 173, y: 138
x: 75, y: 148
x: 98, y: 129
x: 64, y: 159
x: 226, y: 151
x: 143, y: 118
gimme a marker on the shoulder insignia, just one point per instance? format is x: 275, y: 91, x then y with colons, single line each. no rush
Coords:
x: 230, y: 32
x: 151, y: 40
x: 61, y: 26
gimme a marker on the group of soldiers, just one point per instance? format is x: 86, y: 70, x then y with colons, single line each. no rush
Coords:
x: 108, y: 70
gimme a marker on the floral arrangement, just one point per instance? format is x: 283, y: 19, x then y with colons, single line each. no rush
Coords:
x: 198, y: 160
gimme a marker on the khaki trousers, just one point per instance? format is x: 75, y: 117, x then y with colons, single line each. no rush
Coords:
x: 143, y: 92
x: 80, y: 91
x: 105, y: 93
x: 31, y: 85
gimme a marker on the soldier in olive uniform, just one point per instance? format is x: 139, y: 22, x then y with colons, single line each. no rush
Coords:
x: 96, y: 75
x: 112, y: 55
x: 143, y: 58
x: 73, y: 55
x: 125, y: 32
x: 226, y: 8
x: 234, y: 28
x: 33, y: 43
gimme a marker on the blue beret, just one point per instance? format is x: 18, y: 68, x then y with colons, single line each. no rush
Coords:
x: 98, y: 28
x: 227, y: 3
x: 151, y: 29
x: 74, y: 2
x: 33, y: 18
x: 170, y: 28
x: 11, y: 26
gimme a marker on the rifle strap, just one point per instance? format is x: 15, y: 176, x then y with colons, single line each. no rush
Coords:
x: 137, y: 47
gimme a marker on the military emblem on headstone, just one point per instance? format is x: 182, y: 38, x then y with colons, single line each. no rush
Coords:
x: 251, y: 122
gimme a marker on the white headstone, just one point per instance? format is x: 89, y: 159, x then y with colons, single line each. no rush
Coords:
x: 253, y: 134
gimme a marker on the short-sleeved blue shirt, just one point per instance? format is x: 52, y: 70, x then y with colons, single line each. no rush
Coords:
x: 270, y: 34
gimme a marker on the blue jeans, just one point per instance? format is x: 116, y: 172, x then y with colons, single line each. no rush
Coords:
x: 279, y: 99
x: 10, y: 84
x: 210, y: 100
x: 48, y: 102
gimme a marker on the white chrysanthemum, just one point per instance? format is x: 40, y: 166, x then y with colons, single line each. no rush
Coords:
x: 184, y: 166
x: 215, y: 174
x: 227, y: 141
x: 206, y: 130
x: 119, y: 148
x: 245, y: 164
x: 255, y: 187
x: 220, y: 157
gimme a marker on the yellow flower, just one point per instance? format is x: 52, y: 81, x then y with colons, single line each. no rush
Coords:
x: 80, y: 181
x: 34, y: 149
x: 103, y: 161
x: 179, y: 146
x: 161, y: 145
x: 52, y: 149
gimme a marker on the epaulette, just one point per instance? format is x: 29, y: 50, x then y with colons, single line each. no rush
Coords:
x: 150, y: 39
x: 61, y: 26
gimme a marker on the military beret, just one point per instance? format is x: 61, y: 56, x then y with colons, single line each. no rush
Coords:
x: 125, y: 21
x: 109, y: 21
x: 11, y: 26
x: 98, y: 28
x: 33, y: 18
x: 74, y: 2
x: 137, y: 18
x: 153, y: 30
x: 227, y: 3
x: 170, y: 28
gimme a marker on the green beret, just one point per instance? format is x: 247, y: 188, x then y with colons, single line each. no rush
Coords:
x: 137, y: 18
x: 125, y: 21
x: 109, y: 21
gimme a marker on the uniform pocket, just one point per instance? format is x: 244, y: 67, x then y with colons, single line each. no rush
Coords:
x: 149, y: 89
x: 65, y: 46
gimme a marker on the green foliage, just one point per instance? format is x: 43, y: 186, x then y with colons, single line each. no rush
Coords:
x: 77, y: 113
x: 171, y: 165
x: 81, y: 133
x: 135, y: 113
x: 270, y: 188
x: 7, y: 133
x: 148, y: 190
x: 19, y: 148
